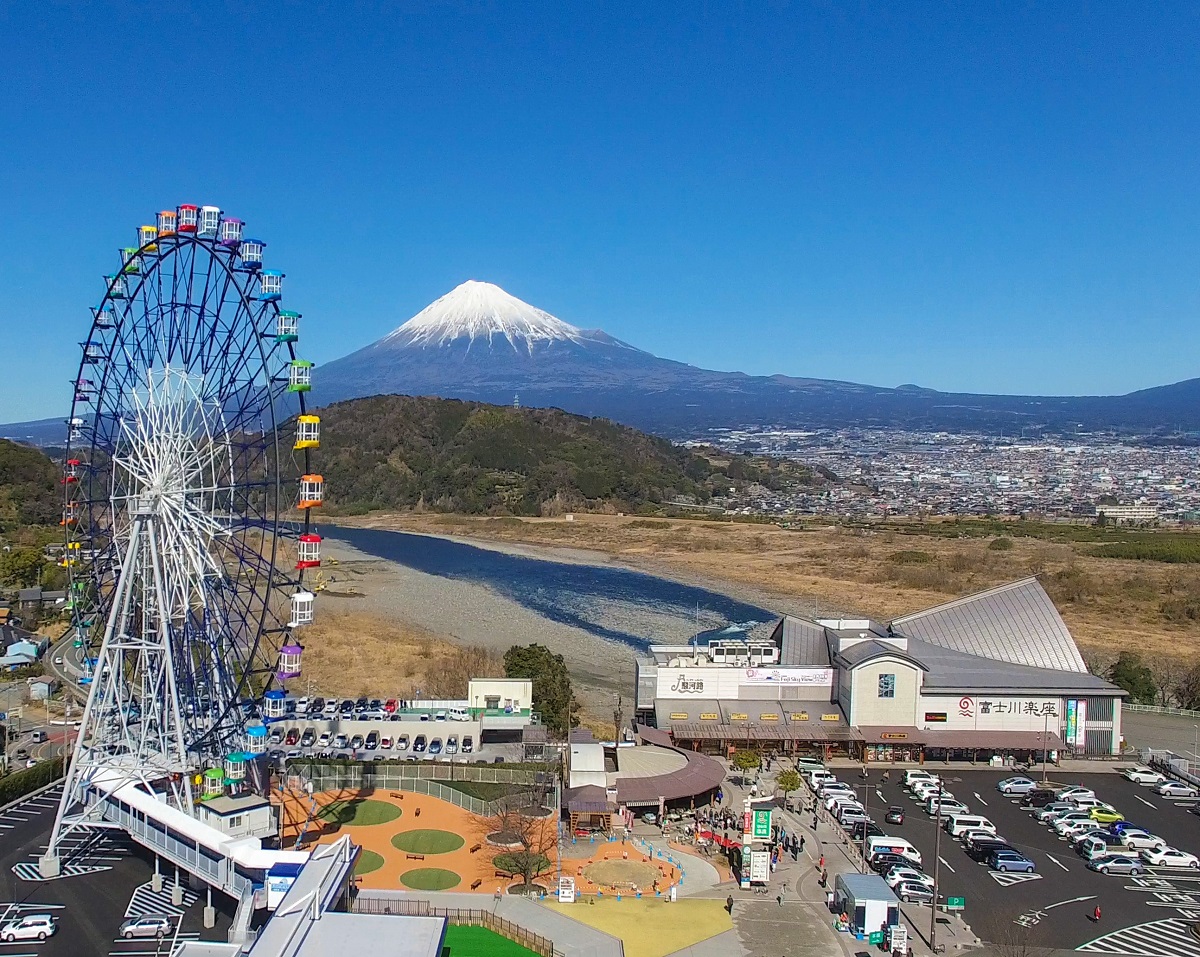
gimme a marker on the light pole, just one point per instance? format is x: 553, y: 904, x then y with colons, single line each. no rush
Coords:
x: 866, y: 790
x: 1196, y: 743
x: 1045, y: 742
x: 937, y: 849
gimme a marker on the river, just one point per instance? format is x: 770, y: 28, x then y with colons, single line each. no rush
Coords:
x: 607, y: 602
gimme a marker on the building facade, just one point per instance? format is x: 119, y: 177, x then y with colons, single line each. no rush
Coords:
x: 995, y: 673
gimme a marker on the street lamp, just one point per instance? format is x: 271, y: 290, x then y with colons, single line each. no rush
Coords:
x: 1045, y: 742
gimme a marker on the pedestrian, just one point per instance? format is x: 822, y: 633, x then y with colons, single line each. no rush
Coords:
x: 729, y: 904
x: 821, y: 863
x: 801, y: 843
x: 824, y: 877
x: 782, y: 891
x: 793, y: 850
x: 1096, y: 914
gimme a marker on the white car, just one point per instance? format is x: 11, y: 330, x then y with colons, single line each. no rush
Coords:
x: 898, y: 874
x: 1140, y: 774
x: 1048, y: 814
x: 922, y: 788
x: 30, y: 927
x: 1075, y: 793
x: 1065, y: 827
x: 835, y: 787
x: 973, y: 833
x: 949, y: 807
x: 1017, y: 785
x: 1176, y: 789
x: 1170, y: 857
x: 1141, y: 840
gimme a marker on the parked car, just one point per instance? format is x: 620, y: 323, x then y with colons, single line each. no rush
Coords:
x: 976, y: 833
x: 1010, y: 861
x: 372, y: 741
x: 1141, y: 840
x: 402, y: 743
x: 948, y: 806
x: 1117, y: 864
x: 895, y: 815
x: 1097, y: 832
x: 849, y: 814
x: 308, y: 738
x: 316, y: 706
x: 293, y: 736
x: 1176, y: 789
x: 30, y: 927
x: 468, y: 744
x: 982, y: 850
x: 385, y: 743
x: 435, y: 746
x: 324, y: 739
x: 1170, y: 857
x: 1066, y: 827
x: 452, y: 744
x: 276, y: 736
x: 909, y: 873
x: 1038, y: 799
x: 1075, y: 792
x: 1017, y: 785
x: 980, y: 836
x: 391, y: 705
x: 1047, y: 814
x: 1106, y: 814
x: 347, y: 707
x: 375, y: 704
x: 1140, y: 774
x: 861, y: 830
x: 913, y: 893
x: 915, y: 775
x: 419, y: 743
x: 341, y: 741
x: 1120, y: 827
x: 882, y: 863
x: 356, y: 742
x: 331, y: 706
x: 302, y: 705
x: 148, y: 926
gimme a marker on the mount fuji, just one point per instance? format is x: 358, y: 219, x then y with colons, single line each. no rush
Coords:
x: 479, y: 342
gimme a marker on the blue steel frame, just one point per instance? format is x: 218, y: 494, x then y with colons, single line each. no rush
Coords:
x: 192, y: 305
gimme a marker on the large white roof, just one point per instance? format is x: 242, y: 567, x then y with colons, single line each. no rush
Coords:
x: 1016, y: 623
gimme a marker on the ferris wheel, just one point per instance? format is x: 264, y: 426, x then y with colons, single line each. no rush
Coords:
x: 188, y: 497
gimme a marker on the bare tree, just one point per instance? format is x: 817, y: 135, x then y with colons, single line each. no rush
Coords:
x: 1167, y: 671
x: 528, y: 828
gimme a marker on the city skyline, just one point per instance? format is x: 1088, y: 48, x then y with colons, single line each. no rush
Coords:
x: 965, y: 199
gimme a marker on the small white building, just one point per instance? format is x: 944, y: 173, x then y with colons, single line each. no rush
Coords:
x: 247, y: 815
x: 585, y: 766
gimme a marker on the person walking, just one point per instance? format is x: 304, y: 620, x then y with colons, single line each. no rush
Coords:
x: 801, y: 843
x: 729, y: 904
x: 1096, y: 914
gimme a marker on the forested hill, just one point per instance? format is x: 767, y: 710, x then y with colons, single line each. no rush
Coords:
x: 446, y: 455
x: 30, y: 493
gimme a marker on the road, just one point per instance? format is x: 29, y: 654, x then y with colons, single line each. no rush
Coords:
x: 1053, y: 907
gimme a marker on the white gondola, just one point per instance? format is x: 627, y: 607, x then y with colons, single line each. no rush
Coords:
x: 302, y: 609
x: 210, y: 221
x: 105, y: 318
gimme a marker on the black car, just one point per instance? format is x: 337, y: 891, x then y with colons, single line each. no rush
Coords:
x: 307, y: 739
x: 361, y: 705
x: 895, y: 815
x: 372, y: 740
x: 983, y: 850
x: 1039, y: 797
x: 316, y: 706
x: 882, y: 863
x: 419, y: 743
x: 347, y: 707
x: 376, y: 704
x: 857, y: 829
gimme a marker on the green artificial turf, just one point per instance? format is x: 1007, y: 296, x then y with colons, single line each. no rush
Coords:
x: 427, y: 841
x: 367, y: 861
x: 359, y: 813
x: 463, y: 941
x: 430, y: 879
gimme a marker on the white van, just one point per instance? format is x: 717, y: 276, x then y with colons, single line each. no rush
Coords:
x: 817, y: 777
x: 885, y: 844
x: 458, y: 714
x: 955, y: 824
x: 912, y: 775
x: 1091, y: 848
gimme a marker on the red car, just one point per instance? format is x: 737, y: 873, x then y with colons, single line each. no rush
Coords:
x: 293, y: 736
x: 391, y: 705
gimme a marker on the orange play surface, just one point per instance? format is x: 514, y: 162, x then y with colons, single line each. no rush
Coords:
x: 421, y: 812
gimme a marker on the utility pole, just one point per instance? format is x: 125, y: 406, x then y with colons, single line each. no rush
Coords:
x: 1045, y: 742
x: 866, y: 791
x: 618, y: 716
x: 937, y: 859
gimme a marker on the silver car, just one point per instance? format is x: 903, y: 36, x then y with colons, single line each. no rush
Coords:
x: 149, y: 926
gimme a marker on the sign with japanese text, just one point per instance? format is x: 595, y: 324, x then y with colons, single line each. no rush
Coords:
x: 762, y: 824
x: 998, y: 712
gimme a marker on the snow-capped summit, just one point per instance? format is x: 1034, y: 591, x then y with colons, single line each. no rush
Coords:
x: 482, y: 310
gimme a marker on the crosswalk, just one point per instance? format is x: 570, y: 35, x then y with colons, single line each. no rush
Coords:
x: 146, y: 901
x: 1159, y: 938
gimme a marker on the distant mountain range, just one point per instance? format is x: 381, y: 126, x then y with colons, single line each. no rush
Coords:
x: 479, y: 343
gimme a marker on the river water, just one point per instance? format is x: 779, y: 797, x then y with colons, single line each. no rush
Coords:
x: 607, y: 602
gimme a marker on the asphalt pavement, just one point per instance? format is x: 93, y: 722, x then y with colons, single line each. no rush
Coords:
x: 1054, y: 907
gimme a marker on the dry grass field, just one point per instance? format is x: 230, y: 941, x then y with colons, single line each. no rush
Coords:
x: 352, y: 653
x: 1109, y: 604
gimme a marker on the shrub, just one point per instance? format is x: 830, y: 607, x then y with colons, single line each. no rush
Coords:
x: 1000, y: 544
x: 910, y: 556
x: 20, y: 783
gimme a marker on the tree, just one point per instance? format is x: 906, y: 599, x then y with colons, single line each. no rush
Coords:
x: 747, y: 759
x: 1132, y: 674
x: 20, y: 567
x: 1187, y: 689
x: 552, y: 694
x: 787, y: 781
x: 528, y: 828
x: 1167, y: 671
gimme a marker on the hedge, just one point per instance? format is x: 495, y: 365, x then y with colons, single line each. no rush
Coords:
x: 20, y: 783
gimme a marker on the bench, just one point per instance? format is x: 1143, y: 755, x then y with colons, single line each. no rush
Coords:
x: 475, y: 847
x: 475, y: 883
x: 505, y: 874
x: 415, y: 857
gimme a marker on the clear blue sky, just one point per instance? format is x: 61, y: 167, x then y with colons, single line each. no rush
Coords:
x: 986, y: 197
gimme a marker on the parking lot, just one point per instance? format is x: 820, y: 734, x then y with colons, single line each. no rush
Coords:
x: 1146, y: 915
x: 105, y: 878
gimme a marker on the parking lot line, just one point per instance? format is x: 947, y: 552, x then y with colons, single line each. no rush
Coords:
x: 946, y: 865
x: 1144, y: 801
x: 1058, y: 862
x: 980, y: 799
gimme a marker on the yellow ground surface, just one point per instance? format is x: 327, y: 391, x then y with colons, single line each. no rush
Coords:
x: 652, y: 927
